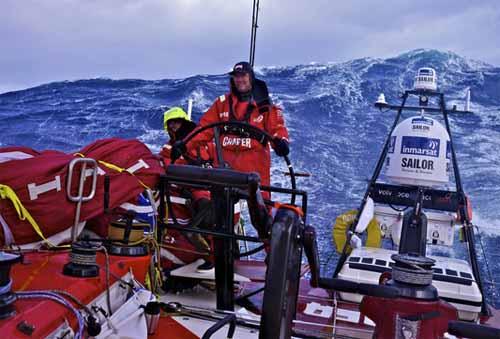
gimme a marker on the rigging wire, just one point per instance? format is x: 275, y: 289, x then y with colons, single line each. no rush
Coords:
x: 490, y: 275
x: 253, y: 36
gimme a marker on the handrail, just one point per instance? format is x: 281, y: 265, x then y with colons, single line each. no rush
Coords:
x: 80, y: 198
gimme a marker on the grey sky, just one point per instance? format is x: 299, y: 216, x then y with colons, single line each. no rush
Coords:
x: 51, y: 40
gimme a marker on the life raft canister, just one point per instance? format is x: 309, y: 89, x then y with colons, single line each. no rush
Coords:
x: 342, y: 224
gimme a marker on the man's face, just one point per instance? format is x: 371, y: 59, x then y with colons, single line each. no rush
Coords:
x: 242, y: 82
x: 174, y: 124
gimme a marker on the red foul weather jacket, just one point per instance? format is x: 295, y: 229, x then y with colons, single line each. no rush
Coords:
x: 185, y: 247
x: 243, y: 153
x: 181, y: 211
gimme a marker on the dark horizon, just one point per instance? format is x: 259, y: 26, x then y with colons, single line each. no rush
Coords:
x: 258, y: 69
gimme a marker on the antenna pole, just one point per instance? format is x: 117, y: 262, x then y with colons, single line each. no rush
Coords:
x: 467, y: 100
x: 190, y: 108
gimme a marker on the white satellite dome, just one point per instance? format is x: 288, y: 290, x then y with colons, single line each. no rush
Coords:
x: 419, y: 153
x: 426, y: 79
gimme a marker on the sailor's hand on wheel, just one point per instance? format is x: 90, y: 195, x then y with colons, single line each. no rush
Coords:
x: 178, y: 149
x: 280, y: 146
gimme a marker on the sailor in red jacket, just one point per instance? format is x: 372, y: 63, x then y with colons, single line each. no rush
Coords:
x: 248, y: 101
x: 191, y: 207
x: 178, y: 125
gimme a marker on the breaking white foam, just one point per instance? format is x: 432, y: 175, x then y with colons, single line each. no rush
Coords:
x: 487, y: 226
x: 153, y: 139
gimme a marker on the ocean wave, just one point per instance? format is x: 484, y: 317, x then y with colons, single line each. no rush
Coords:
x: 336, y: 134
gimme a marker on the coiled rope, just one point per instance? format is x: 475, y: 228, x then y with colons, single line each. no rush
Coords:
x: 413, y: 274
x: 87, y: 256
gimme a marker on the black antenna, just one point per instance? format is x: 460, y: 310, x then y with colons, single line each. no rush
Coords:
x: 253, y: 37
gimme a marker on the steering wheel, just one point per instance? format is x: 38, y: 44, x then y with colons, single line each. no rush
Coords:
x: 245, y: 130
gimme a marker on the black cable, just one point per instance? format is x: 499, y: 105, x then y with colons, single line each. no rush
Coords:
x: 250, y: 252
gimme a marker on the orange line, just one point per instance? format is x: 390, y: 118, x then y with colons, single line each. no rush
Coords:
x: 34, y: 274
